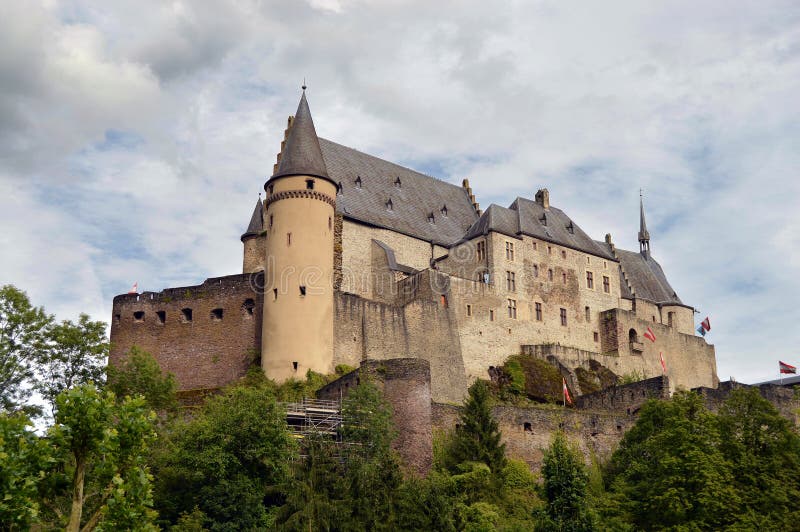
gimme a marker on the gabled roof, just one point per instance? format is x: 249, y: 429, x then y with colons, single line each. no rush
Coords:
x: 256, y: 225
x: 526, y: 217
x: 414, y: 196
x: 643, y: 277
x: 302, y: 155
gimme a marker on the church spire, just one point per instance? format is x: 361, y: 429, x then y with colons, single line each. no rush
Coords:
x: 256, y: 221
x: 302, y: 154
x: 644, y: 234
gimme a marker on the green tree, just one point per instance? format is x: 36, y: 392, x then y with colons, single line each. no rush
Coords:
x: 109, y: 440
x: 564, y: 488
x: 227, y: 461
x: 477, y: 439
x: 764, y: 453
x: 669, y: 471
x: 21, y: 329
x: 23, y: 458
x: 139, y: 374
x: 73, y: 354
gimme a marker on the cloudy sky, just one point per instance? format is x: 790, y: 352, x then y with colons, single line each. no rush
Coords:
x: 135, y: 135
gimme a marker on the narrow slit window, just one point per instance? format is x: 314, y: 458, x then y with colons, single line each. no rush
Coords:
x: 288, y: 239
x: 271, y: 220
x: 563, y: 317
x: 588, y: 312
x: 302, y: 290
x: 538, y: 312
x: 443, y: 300
x: 274, y: 294
x: 564, y: 277
x: 550, y: 274
x: 469, y: 310
x: 536, y: 270
x: 309, y: 184
x: 563, y: 254
x: 596, y: 336
x: 491, y: 315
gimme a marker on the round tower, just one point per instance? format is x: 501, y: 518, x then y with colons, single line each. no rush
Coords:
x: 298, y: 283
x: 253, y: 241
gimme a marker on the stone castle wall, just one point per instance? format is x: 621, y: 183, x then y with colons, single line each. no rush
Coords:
x: 369, y: 330
x: 406, y: 386
x: 213, y: 348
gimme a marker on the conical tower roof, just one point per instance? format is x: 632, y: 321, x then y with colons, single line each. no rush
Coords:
x: 256, y: 221
x: 644, y: 234
x: 302, y: 155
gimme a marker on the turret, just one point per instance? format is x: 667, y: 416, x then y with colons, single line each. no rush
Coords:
x: 644, y: 235
x: 253, y: 241
x: 298, y: 283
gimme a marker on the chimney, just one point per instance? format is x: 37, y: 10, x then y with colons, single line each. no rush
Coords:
x: 543, y: 198
x: 609, y: 242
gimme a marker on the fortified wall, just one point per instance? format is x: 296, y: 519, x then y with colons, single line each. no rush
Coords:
x: 207, y: 335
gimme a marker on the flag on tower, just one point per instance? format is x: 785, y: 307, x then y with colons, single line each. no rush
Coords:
x: 663, y: 364
x: 786, y: 368
x: 704, y: 327
x: 567, y: 398
x: 135, y: 288
x: 650, y: 335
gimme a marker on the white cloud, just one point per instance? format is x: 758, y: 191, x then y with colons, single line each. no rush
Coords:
x: 694, y: 102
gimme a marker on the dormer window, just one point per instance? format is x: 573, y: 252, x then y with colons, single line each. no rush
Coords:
x: 358, y: 181
x: 444, y: 210
x: 397, y: 183
x: 431, y: 220
x: 339, y: 187
x: 543, y: 219
x: 571, y: 228
x: 389, y: 206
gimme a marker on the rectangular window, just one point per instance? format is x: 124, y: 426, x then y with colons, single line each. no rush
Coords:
x: 511, y: 281
x: 538, y: 312
x: 309, y: 184
x: 588, y: 314
x: 588, y: 260
x: 605, y: 265
x: 589, y: 280
x: 444, y: 301
x: 596, y: 336
x: 549, y: 250
x: 481, y: 250
x: 512, y: 308
x: 510, y: 250
x: 564, y: 317
x: 536, y: 270
x: 491, y: 315
x: 564, y: 277
x: 563, y: 254
x: 534, y: 246
x: 550, y: 274
x: 288, y: 239
x: 669, y: 319
x: 302, y: 290
x: 469, y: 310
x: 606, y: 284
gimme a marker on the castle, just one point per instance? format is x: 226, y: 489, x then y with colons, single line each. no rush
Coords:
x: 350, y: 258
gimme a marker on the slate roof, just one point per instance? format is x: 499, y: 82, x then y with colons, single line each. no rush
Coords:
x: 526, y: 217
x: 645, y: 278
x: 256, y: 221
x: 302, y: 155
x: 413, y: 199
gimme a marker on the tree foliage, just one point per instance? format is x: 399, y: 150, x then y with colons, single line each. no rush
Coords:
x: 564, y: 488
x: 477, y: 438
x: 227, y: 461
x: 139, y: 374
x: 21, y: 342
x: 72, y: 354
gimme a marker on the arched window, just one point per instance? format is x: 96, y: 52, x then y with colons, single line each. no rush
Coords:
x: 633, y: 336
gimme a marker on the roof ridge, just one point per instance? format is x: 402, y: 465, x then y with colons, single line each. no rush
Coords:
x: 406, y: 168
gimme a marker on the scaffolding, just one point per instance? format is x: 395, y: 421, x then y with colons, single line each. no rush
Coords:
x: 314, y: 416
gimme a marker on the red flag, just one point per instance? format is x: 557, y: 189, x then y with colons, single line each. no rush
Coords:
x: 706, y: 324
x: 650, y: 335
x: 135, y: 288
x: 567, y: 397
x: 663, y: 364
x: 786, y: 368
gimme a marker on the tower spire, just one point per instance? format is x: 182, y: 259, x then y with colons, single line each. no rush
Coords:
x: 644, y: 234
x: 302, y: 155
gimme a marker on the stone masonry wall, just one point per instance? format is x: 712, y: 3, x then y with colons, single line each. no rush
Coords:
x: 406, y: 387
x: 369, y: 330
x: 207, y: 352
x: 625, y: 398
